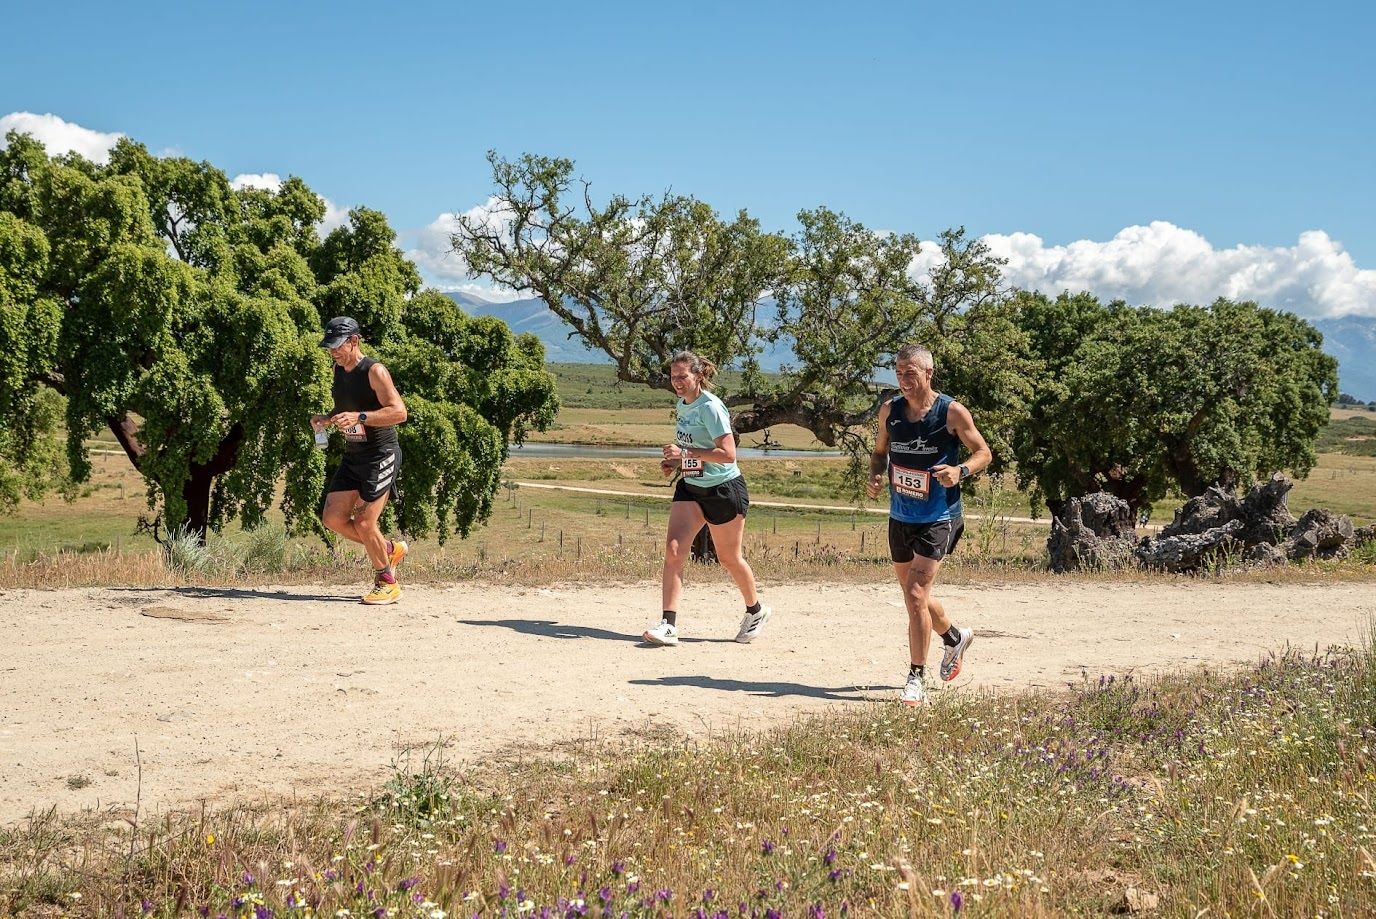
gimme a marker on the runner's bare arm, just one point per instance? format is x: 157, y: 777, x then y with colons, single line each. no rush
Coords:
x: 723, y: 452
x: 879, y: 459
x: 961, y: 423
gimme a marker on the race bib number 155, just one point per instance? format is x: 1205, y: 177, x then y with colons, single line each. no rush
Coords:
x: 913, y: 483
x: 691, y: 466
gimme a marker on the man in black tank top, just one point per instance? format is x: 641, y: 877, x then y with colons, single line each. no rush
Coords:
x: 918, y: 450
x: 367, y: 409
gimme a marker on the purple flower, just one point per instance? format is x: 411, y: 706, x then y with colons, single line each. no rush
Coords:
x: 707, y: 895
x: 380, y: 912
x: 146, y: 905
x: 772, y: 913
x: 618, y: 868
x: 237, y: 903
x: 358, y: 889
x: 369, y: 866
x: 816, y: 911
x: 830, y: 857
x: 766, y: 847
x: 503, y: 891
x: 407, y: 883
x: 262, y: 912
x: 834, y: 875
x: 247, y: 879
x: 664, y: 895
x: 957, y: 901
x: 499, y: 846
x: 632, y: 887
x: 203, y: 910
x: 417, y: 897
x: 569, y: 859
x: 605, y: 894
x: 331, y: 874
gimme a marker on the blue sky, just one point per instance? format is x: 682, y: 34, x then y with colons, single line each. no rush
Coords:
x: 1103, y: 145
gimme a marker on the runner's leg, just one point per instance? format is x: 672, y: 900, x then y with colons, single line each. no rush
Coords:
x: 338, y: 514
x: 727, y: 537
x: 685, y: 519
x: 365, y: 525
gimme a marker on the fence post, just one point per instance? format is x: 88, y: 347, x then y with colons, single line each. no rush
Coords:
x: 862, y: 540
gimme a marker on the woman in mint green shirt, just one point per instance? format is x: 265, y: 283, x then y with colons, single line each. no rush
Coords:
x: 710, y: 490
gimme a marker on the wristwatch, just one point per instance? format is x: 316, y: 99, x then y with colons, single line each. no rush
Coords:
x: 964, y: 472
x: 363, y: 416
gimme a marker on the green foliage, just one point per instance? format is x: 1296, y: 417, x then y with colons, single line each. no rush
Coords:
x: 184, y: 316
x: 1180, y: 398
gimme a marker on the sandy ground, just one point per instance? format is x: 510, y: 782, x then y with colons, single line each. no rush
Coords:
x: 233, y: 694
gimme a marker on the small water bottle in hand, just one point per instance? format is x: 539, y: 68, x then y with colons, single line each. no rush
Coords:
x: 322, y: 436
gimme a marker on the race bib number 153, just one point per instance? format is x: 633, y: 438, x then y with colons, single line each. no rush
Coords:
x: 913, y: 483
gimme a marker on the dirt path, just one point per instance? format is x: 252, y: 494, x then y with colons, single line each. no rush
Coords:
x: 237, y: 693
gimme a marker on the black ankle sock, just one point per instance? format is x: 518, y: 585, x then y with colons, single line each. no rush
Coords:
x: 671, y: 617
x: 918, y: 669
x: 951, y: 637
x: 752, y: 610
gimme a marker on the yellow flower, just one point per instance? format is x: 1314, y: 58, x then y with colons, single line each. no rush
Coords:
x: 210, y: 839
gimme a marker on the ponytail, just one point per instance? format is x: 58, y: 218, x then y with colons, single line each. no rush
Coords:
x: 697, y: 365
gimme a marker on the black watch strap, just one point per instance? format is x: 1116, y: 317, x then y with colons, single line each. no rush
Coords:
x: 964, y: 471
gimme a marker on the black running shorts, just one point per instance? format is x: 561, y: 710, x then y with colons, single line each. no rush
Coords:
x: 720, y: 503
x: 929, y: 540
x: 371, y: 474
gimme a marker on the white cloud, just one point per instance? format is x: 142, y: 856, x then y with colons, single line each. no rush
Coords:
x: 268, y: 181
x: 444, y: 268
x: 1162, y: 264
x: 59, y: 136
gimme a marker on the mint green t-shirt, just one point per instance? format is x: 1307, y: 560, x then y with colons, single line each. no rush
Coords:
x: 700, y: 423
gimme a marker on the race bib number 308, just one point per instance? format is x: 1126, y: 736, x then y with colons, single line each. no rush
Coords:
x: 356, y: 433
x: 691, y: 466
x: 912, y: 483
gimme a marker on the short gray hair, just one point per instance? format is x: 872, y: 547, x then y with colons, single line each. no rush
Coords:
x: 915, y: 353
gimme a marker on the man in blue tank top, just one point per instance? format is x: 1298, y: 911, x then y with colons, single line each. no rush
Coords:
x: 367, y: 409
x: 918, y: 446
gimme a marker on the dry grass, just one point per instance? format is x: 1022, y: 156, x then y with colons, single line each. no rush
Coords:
x: 1236, y: 794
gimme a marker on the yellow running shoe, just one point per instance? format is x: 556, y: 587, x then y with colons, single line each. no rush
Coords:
x: 399, y: 550
x: 383, y: 593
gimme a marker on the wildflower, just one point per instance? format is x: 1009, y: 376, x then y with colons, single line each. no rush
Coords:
x: 766, y: 847
x: 407, y: 883
x: 618, y: 868
x: 830, y: 857
x: 957, y: 901
x: 817, y: 912
x: 210, y: 839
x: 499, y: 846
x: 247, y: 879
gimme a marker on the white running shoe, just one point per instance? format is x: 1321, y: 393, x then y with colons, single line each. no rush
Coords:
x: 914, y: 693
x: 662, y: 634
x: 753, y: 624
x: 951, y: 655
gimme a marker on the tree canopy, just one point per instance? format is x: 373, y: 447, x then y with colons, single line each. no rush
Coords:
x: 1083, y: 396
x: 149, y: 297
x: 639, y: 279
x: 1135, y: 401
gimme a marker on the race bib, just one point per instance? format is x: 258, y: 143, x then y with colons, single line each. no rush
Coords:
x: 355, y: 434
x: 911, y: 483
x: 692, y: 466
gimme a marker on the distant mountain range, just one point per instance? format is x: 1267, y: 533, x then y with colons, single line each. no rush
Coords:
x: 1352, y: 340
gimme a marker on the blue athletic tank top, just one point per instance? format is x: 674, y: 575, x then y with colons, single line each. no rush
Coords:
x: 914, y: 448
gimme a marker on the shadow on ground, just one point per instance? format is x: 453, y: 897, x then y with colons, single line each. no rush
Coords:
x: 772, y: 690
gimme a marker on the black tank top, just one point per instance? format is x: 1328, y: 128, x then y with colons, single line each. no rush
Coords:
x: 353, y: 392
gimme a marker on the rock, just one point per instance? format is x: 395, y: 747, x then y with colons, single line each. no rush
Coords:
x: 1265, y: 555
x: 1320, y: 534
x: 1202, y: 513
x: 1266, y: 511
x: 1364, y: 534
x: 1189, y: 551
x: 1093, y: 531
x: 1136, y: 900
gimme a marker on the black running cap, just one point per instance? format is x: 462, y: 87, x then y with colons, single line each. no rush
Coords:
x: 338, y: 330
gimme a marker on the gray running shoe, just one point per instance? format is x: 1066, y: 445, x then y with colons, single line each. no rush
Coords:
x: 753, y: 624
